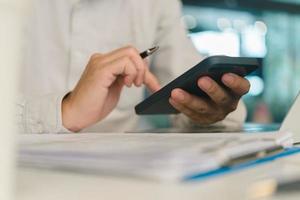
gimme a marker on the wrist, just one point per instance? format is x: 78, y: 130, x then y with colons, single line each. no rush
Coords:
x: 68, y: 120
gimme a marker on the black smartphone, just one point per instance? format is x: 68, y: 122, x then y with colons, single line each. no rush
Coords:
x: 214, y: 67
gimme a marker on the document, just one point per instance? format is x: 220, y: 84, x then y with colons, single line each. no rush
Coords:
x: 148, y: 155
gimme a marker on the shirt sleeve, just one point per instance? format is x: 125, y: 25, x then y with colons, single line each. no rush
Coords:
x: 41, y: 114
x: 177, y: 54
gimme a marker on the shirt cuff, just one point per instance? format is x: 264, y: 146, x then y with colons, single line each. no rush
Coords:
x: 41, y: 114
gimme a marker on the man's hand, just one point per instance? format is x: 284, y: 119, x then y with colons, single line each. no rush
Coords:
x: 221, y: 102
x: 97, y: 92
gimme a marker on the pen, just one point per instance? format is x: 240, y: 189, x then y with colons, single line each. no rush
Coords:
x: 149, y: 52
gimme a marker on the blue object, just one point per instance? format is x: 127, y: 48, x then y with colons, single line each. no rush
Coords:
x: 231, y: 169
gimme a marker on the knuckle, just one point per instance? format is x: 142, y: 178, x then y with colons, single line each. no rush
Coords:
x: 223, y: 100
x: 131, y: 50
x: 232, y: 107
x: 198, y: 105
x: 227, y: 101
x: 93, y: 64
x: 95, y: 56
x: 202, y: 110
x: 132, y: 72
x: 96, y: 60
x: 129, y: 46
x: 140, y: 68
x: 213, y: 89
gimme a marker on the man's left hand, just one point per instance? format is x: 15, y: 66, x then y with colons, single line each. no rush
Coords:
x: 220, y: 103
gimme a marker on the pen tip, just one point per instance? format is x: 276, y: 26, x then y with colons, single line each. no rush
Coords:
x: 154, y: 48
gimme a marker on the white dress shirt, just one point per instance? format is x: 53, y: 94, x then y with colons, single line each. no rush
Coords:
x: 62, y: 35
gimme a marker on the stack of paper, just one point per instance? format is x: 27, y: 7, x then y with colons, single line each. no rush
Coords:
x: 155, y: 156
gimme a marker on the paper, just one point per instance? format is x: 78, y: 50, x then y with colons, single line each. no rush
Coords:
x: 155, y: 156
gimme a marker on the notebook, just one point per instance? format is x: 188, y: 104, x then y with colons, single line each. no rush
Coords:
x: 148, y: 155
x: 164, y: 156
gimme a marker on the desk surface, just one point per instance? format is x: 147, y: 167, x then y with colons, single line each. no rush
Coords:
x: 50, y: 184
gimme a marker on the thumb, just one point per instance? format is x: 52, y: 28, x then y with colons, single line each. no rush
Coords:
x: 151, y: 82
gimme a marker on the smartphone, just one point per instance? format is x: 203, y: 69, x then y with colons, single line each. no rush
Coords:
x: 214, y: 67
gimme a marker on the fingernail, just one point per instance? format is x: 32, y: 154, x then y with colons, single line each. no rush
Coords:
x: 205, y: 83
x: 179, y: 96
x: 228, y: 78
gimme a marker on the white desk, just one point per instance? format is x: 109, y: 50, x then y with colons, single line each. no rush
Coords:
x: 33, y: 184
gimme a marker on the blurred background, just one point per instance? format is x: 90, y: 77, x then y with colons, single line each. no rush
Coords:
x: 267, y: 29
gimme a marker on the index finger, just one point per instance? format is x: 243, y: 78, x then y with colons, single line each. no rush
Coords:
x: 132, y: 53
x: 151, y: 81
x: 125, y: 51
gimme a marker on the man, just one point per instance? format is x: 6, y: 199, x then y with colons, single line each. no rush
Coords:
x: 73, y: 79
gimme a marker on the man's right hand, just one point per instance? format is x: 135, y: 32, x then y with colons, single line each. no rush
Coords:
x: 98, y: 90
